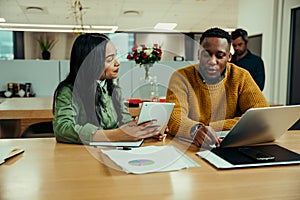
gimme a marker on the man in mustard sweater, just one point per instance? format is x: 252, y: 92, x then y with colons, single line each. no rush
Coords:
x: 213, y: 93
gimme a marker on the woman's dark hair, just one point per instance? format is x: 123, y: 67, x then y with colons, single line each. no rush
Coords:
x: 87, y: 62
x: 216, y: 32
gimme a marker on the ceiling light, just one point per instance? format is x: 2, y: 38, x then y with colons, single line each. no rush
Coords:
x: 132, y: 13
x: 2, y: 20
x: 165, y: 26
x: 58, y: 28
x: 34, y: 9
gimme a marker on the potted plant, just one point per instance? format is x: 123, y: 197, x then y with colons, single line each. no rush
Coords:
x: 46, y: 45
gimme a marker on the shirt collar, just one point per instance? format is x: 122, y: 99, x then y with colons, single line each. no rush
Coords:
x: 101, y: 83
x: 220, y: 79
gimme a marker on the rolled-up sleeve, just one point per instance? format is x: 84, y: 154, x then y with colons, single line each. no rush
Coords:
x: 65, y: 127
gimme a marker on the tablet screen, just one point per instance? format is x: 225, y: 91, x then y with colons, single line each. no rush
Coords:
x: 160, y: 112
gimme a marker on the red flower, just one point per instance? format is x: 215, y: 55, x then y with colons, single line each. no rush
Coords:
x: 135, y: 57
x: 159, y: 52
x: 144, y: 55
x: 129, y: 57
x: 134, y: 48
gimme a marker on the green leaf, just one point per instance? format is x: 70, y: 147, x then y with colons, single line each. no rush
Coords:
x: 46, y: 44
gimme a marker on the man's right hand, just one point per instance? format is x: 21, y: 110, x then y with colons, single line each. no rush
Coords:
x: 206, y: 137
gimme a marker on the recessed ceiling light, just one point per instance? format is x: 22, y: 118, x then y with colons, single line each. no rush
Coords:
x: 34, y: 9
x: 131, y: 13
x: 165, y: 26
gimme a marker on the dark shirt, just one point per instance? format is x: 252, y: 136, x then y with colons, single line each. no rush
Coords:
x: 255, y: 65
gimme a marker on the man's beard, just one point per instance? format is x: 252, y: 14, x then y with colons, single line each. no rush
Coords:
x: 239, y: 53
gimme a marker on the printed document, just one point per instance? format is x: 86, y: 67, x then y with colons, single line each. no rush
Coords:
x: 150, y: 159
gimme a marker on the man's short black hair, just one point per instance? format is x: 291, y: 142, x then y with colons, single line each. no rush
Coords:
x: 216, y: 32
x: 239, y: 33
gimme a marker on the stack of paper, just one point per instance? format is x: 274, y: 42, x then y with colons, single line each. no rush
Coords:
x: 150, y: 159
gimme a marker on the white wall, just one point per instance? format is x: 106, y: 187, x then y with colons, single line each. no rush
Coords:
x: 256, y: 17
x: 271, y: 18
x: 171, y: 44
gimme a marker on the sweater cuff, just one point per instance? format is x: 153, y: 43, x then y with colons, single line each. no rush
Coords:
x: 223, y: 125
x: 86, y: 132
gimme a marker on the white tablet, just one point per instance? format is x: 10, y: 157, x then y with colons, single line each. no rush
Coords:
x: 158, y: 111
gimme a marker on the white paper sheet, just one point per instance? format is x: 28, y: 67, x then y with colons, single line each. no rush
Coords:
x: 150, y: 159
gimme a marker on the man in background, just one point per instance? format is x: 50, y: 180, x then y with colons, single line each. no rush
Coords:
x: 242, y: 57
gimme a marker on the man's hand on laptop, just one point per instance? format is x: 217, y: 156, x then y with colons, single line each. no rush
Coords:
x: 206, y: 137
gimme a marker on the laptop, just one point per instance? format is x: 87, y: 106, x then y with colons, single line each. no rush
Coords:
x: 259, y: 125
x: 256, y: 126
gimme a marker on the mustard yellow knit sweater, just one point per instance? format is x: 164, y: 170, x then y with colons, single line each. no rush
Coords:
x: 219, y: 106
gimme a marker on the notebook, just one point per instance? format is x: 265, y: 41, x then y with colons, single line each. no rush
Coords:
x: 9, y: 152
x: 256, y: 126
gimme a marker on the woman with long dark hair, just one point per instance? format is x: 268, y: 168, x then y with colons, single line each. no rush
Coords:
x: 87, y: 105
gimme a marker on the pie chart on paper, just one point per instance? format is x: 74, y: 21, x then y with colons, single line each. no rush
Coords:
x: 141, y: 162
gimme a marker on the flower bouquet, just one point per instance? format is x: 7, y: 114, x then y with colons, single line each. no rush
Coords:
x: 145, y: 56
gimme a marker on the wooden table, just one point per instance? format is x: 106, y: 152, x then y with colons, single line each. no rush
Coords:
x: 16, y: 114
x: 50, y: 170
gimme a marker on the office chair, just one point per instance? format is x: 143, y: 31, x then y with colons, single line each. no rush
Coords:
x: 39, y: 130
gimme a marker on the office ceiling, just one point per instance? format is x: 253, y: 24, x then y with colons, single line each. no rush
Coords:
x: 190, y: 15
